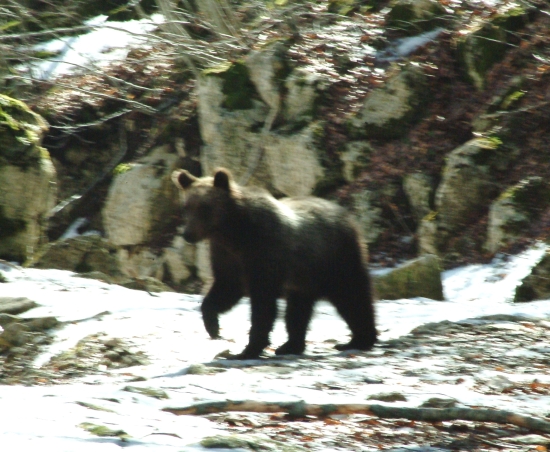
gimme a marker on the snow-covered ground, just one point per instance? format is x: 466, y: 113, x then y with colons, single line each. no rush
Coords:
x: 168, y: 328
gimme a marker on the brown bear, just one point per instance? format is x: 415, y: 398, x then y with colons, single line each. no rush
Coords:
x: 301, y: 249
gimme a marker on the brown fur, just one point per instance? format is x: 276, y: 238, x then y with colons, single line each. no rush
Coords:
x: 301, y: 249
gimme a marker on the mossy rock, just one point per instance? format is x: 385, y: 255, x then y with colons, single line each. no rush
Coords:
x: 79, y: 254
x: 238, y: 89
x: 389, y: 111
x: 536, y: 285
x: 21, y: 132
x: 420, y: 277
x: 479, y: 50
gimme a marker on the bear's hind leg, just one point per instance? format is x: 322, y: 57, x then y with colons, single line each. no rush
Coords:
x: 299, y: 309
x: 220, y: 298
x: 356, y: 308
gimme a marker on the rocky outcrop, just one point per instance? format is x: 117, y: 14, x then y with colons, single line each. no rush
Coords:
x: 142, y: 200
x: 238, y: 106
x: 27, y: 181
x: 420, y: 277
x: 465, y: 187
x: 388, y: 111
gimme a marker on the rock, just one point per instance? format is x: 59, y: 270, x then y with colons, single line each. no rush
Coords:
x: 16, y: 334
x: 368, y: 214
x: 415, y: 16
x: 419, y: 190
x: 438, y: 402
x: 140, y: 261
x: 420, y: 277
x: 148, y: 284
x: 388, y: 397
x: 470, y: 166
x: 80, y: 254
x: 303, y: 92
x: 355, y: 158
x: 142, y: 201
x: 267, y: 68
x: 235, y: 104
x: 389, y: 110
x: 536, y: 285
x: 514, y: 210
x: 482, y: 47
x: 27, y: 181
x: 248, y: 442
x: 16, y: 305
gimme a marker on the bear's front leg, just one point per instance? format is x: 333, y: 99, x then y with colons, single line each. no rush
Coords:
x: 219, y: 299
x: 264, y: 313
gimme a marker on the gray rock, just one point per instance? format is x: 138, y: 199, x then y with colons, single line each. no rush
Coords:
x: 420, y: 277
x: 80, y: 254
x: 27, y: 181
x: 16, y: 305
x: 389, y: 110
x: 388, y: 397
x: 419, y: 190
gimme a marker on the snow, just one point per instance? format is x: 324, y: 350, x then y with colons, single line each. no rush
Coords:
x: 105, y: 43
x: 168, y: 328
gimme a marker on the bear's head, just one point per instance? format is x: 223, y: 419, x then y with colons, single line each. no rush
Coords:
x: 207, y: 202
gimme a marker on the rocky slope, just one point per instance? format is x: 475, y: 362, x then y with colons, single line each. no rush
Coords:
x: 427, y: 119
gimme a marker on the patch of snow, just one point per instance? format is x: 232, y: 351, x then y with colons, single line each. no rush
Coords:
x: 105, y: 43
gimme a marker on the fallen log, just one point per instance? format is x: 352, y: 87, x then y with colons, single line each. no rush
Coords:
x: 300, y: 408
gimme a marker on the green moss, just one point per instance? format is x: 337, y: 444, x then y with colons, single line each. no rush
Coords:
x: 20, y: 133
x: 511, y: 99
x: 122, y: 168
x: 237, y: 88
x: 512, y: 20
x: 431, y: 216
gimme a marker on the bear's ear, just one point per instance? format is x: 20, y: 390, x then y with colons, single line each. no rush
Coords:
x: 222, y: 179
x: 183, y: 179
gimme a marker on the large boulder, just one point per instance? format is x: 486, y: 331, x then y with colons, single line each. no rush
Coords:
x: 389, y: 110
x: 80, y: 254
x: 142, y: 201
x: 27, y: 181
x: 466, y: 185
x: 420, y: 277
x: 238, y: 105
